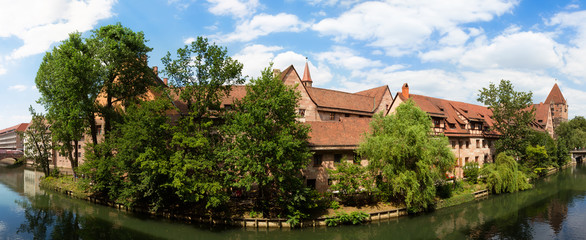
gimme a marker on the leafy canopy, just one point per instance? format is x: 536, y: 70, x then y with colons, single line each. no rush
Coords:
x: 408, y: 158
x: 512, y: 114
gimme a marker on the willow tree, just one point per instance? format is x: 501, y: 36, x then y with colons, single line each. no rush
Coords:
x: 406, y: 157
x: 69, y: 81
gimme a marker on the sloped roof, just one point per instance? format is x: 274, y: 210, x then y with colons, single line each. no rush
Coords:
x: 541, y: 111
x: 341, y: 100
x: 346, y: 132
x: 306, y: 75
x: 452, y: 112
x: 20, y: 127
x: 377, y: 93
x: 555, y: 96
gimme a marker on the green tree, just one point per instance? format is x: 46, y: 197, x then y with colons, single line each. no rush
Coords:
x: 350, y: 180
x: 202, y: 75
x: 139, y: 172
x: 269, y: 147
x: 122, y: 54
x: 504, y: 175
x: 537, y: 157
x: 573, y: 133
x: 511, y: 113
x: 68, y: 79
x: 38, y: 144
x: 408, y: 158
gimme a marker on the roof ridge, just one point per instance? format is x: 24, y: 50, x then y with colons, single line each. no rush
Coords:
x: 332, y: 90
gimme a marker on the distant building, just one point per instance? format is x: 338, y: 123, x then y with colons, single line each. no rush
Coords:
x: 551, y: 113
x: 467, y: 126
x: 9, y: 138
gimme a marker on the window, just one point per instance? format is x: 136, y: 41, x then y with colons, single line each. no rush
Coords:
x: 476, y: 159
x: 337, y: 158
x: 317, y: 160
x: 452, y: 125
x: 540, y: 120
x: 485, y: 158
x: 463, y: 126
x: 477, y: 143
x: 311, y: 183
x: 436, y: 123
x: 302, y: 112
x: 484, y: 143
x: 346, y: 115
x: 78, y: 154
x: 461, y: 145
x: 99, y: 129
x: 467, y: 144
x: 466, y: 160
x: 453, y: 144
x: 332, y: 116
x: 228, y: 107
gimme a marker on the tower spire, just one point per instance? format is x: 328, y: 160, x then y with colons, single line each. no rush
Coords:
x: 306, y: 80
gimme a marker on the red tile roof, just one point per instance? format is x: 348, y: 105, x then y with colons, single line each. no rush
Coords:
x: 555, y: 96
x: 346, y: 132
x: 377, y: 93
x: 541, y: 111
x: 453, y: 112
x: 326, y: 98
x: 306, y: 75
x: 20, y: 127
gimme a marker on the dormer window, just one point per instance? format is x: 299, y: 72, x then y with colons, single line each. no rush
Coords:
x: 452, y: 125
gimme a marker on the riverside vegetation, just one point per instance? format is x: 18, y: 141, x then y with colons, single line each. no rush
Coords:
x: 213, y: 162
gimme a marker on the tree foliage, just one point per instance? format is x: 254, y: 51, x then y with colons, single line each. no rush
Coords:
x: 122, y: 57
x: 573, y: 133
x: 268, y: 146
x: 38, y: 144
x: 511, y: 113
x: 350, y: 180
x: 68, y: 79
x: 203, y: 74
x: 407, y: 156
x: 504, y: 175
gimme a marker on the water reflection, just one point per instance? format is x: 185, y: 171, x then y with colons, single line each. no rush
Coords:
x: 556, y: 208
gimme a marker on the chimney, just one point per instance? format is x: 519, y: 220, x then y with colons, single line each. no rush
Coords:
x: 405, y: 90
x: 166, y: 81
x: 156, y: 70
x: 276, y: 72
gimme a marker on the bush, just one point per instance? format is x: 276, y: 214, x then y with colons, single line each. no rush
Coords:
x: 471, y: 172
x: 335, y: 205
x: 504, y: 175
x: 444, y: 190
x: 345, y: 218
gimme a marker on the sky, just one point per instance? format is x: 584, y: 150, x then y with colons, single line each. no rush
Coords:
x: 444, y: 49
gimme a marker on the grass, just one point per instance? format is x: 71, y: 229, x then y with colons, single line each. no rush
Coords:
x: 65, y: 183
x: 462, y: 194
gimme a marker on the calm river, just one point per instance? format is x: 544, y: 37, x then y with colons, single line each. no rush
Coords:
x: 555, y: 209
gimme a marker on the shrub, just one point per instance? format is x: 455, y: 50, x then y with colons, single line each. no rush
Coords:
x: 345, y: 218
x: 504, y: 175
x: 471, y: 172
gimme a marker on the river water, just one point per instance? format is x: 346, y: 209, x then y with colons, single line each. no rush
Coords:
x: 554, y: 209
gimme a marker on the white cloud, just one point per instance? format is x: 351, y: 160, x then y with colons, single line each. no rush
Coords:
x: 347, y: 58
x: 262, y: 25
x: 189, y: 40
x: 40, y: 23
x: 235, y: 8
x: 344, y: 3
x: 18, y: 88
x: 2, y: 70
x: 401, y: 27
x: 255, y: 58
x: 521, y: 50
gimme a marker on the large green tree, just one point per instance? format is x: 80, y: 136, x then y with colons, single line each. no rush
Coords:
x: 68, y: 79
x: 573, y: 132
x: 269, y: 147
x: 511, y: 113
x: 407, y: 157
x: 122, y: 54
x: 202, y: 74
x: 38, y: 144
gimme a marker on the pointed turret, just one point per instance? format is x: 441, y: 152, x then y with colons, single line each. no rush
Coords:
x: 306, y: 80
x: 555, y: 96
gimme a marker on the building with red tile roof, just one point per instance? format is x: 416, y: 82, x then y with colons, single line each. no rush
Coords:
x: 558, y: 107
x: 9, y: 138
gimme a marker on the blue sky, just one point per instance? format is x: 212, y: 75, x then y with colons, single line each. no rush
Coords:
x: 446, y: 49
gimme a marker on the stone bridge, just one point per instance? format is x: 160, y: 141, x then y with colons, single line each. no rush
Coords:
x: 578, y: 155
x: 14, y: 154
